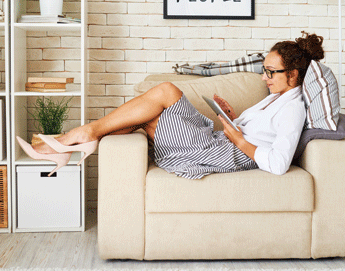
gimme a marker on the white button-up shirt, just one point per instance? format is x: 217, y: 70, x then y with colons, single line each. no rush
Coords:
x: 274, y: 129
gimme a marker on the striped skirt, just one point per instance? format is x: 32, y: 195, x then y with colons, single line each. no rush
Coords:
x: 186, y: 144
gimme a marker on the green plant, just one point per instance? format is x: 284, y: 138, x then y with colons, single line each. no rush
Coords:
x: 50, y: 115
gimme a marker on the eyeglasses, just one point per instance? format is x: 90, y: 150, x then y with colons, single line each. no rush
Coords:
x: 270, y: 73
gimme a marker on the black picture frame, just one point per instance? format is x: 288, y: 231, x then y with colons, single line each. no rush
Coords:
x: 238, y: 8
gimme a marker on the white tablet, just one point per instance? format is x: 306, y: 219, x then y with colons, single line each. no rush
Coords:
x: 218, y: 110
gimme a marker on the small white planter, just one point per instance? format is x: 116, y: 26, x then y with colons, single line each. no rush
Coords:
x: 51, y: 7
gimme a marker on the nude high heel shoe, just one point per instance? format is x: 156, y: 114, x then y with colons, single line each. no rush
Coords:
x: 61, y: 159
x: 88, y: 148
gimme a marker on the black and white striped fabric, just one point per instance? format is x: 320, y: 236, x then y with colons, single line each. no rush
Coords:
x: 248, y: 63
x: 186, y: 144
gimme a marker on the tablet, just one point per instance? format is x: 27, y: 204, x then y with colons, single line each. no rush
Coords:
x: 218, y: 110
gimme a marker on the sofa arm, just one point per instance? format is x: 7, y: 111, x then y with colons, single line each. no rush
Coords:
x: 325, y: 161
x: 123, y: 162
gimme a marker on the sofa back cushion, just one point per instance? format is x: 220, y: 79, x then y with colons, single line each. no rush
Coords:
x: 242, y: 90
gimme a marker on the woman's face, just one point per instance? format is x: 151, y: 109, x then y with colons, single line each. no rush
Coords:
x: 279, y: 81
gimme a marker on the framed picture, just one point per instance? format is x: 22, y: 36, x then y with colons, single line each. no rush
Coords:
x: 209, y: 9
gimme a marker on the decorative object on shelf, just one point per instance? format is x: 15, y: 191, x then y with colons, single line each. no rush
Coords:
x: 48, y: 19
x: 51, y: 7
x: 3, y: 197
x: 47, y: 84
x: 209, y: 9
x: 49, y: 115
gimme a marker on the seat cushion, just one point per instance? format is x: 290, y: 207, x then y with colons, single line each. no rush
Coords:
x: 246, y: 191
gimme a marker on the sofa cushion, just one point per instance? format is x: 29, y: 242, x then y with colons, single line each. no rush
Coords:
x: 246, y: 191
x: 242, y: 90
x: 321, y: 97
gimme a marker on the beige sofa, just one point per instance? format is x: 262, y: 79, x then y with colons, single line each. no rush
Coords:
x: 144, y: 213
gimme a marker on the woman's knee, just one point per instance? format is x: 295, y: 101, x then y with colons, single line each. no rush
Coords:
x: 171, y: 93
x: 166, y: 93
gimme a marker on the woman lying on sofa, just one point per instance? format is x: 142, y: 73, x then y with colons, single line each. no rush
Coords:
x: 184, y: 140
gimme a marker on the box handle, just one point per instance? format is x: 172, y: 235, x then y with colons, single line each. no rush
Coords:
x: 45, y: 174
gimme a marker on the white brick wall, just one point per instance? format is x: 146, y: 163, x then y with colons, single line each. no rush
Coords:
x: 129, y: 39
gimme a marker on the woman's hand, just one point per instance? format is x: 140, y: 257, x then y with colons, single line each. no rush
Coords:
x: 225, y: 106
x: 233, y: 135
x: 238, y: 139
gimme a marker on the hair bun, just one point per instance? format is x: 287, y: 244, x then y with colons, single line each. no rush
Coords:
x: 311, y: 45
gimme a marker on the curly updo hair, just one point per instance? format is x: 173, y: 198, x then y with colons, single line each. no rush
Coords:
x: 299, y: 53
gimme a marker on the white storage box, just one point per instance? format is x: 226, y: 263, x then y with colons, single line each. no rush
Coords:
x: 48, y: 202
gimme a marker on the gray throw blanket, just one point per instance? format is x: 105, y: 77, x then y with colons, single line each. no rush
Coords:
x: 248, y: 63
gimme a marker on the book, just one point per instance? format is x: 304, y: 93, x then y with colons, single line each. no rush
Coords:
x: 47, y: 19
x: 46, y: 85
x: 40, y: 19
x: 50, y: 80
x: 45, y: 89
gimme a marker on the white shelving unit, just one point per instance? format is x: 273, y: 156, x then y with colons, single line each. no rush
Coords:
x: 5, y: 96
x: 20, y: 98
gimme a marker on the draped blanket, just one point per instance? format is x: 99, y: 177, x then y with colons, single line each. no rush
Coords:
x: 248, y: 63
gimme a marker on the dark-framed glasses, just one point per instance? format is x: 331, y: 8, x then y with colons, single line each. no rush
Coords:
x: 270, y: 73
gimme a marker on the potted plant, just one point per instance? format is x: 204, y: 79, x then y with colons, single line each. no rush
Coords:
x: 49, y: 116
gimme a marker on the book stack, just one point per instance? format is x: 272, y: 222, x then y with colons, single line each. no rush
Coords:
x: 47, y: 84
x: 48, y: 19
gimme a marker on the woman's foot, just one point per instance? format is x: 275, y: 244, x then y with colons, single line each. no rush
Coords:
x: 43, y: 148
x: 81, y: 134
x: 87, y: 148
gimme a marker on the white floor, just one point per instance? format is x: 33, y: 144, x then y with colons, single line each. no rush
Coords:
x: 78, y: 250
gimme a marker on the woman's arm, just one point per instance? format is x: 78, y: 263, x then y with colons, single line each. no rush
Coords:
x: 238, y: 139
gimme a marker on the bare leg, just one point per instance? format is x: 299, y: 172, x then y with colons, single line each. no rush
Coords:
x: 144, y: 109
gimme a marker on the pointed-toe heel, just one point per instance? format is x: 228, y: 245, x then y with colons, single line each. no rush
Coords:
x: 61, y: 159
x: 88, y: 148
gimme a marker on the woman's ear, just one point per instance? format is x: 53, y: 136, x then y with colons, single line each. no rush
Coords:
x: 293, y: 77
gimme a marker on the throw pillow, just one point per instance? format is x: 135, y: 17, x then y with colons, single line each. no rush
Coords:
x: 321, y: 97
x: 310, y: 134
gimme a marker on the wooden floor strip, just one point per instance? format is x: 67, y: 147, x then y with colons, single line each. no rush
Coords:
x: 78, y: 250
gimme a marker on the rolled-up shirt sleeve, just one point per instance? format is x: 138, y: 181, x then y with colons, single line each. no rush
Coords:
x: 278, y: 157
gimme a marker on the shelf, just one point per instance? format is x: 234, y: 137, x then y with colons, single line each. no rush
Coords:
x: 21, y: 69
x: 48, y: 26
x: 26, y: 160
x: 65, y: 93
x: 3, y: 162
x: 2, y: 93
